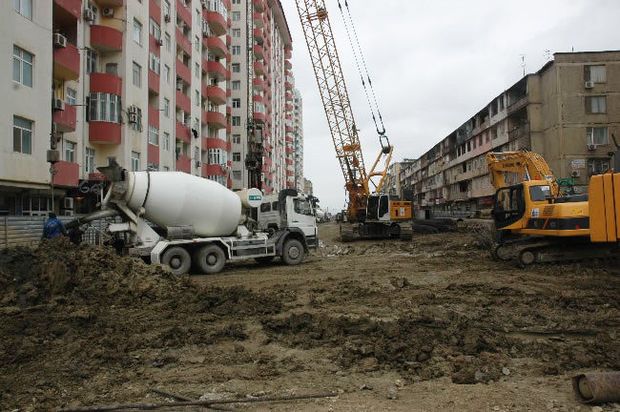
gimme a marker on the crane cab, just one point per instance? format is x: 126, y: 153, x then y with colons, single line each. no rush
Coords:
x: 386, y: 208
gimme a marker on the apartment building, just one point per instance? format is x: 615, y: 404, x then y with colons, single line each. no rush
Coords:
x: 262, y: 96
x: 568, y: 111
x: 298, y: 142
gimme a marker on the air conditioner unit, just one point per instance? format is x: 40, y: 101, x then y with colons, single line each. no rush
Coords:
x: 68, y: 203
x: 589, y: 84
x: 167, y: 18
x: 591, y: 147
x: 108, y: 12
x: 60, y: 40
x: 67, y: 212
x: 89, y: 15
x: 58, y: 104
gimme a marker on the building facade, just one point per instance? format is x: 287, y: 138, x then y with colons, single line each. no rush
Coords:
x: 568, y: 112
x: 298, y: 141
x: 147, y: 82
x: 262, y: 100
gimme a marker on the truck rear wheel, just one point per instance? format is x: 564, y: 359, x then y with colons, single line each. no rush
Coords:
x: 293, y: 252
x: 177, y: 259
x: 210, y: 259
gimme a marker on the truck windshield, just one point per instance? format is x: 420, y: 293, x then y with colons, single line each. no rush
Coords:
x: 540, y: 193
x: 303, y: 207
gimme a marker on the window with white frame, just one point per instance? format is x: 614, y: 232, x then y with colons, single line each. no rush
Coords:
x: 236, y: 68
x: 596, y: 73
x: 154, y: 63
x: 236, y: 103
x: 236, y: 138
x: 216, y: 157
x: 153, y: 135
x: 137, y: 32
x: 167, y: 73
x: 596, y: 104
x: 236, y: 16
x: 236, y: 50
x: 597, y: 136
x: 91, y: 61
x: 154, y: 29
x: 104, y: 107
x: 236, y: 32
x: 236, y: 85
x: 598, y: 166
x: 89, y: 160
x: 22, y: 135
x: 166, y: 108
x: 71, y: 97
x: 236, y: 120
x: 236, y: 157
x: 135, y: 161
x: 23, y: 7
x: 22, y: 66
x: 237, y: 174
x: 137, y: 74
x: 70, y: 151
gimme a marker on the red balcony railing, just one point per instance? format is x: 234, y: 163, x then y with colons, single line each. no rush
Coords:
x: 104, y: 132
x: 106, y: 83
x: 183, y: 102
x: 65, y: 119
x: 153, y: 154
x: 67, y: 174
x: 184, y: 72
x: 216, y: 119
x: 216, y: 21
x: 106, y: 38
x: 66, y: 62
x: 71, y: 8
x: 217, y: 47
x: 153, y: 82
x: 184, y: 164
x: 216, y: 94
x: 184, y: 13
x: 183, y: 133
x: 216, y: 69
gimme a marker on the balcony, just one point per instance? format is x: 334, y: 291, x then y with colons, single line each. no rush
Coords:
x: 258, y: 84
x: 259, y: 117
x: 184, y: 164
x: 288, y: 85
x: 217, y: 47
x: 153, y: 119
x: 216, y: 119
x: 288, y: 53
x: 184, y: 13
x: 67, y: 9
x: 153, y: 82
x: 183, y: 133
x: 184, y: 72
x: 106, y: 83
x: 213, y: 170
x: 217, y: 70
x: 259, y: 5
x: 258, y: 36
x: 183, y: 102
x: 258, y: 20
x: 67, y: 174
x: 216, y: 94
x: 214, y: 143
x: 66, y: 63
x: 289, y: 96
x: 216, y: 21
x: 517, y: 105
x: 288, y: 65
x: 155, y: 11
x: 258, y: 52
x: 152, y: 154
x: 107, y: 133
x: 259, y: 68
x: 183, y: 41
x: 65, y: 120
x: 106, y: 38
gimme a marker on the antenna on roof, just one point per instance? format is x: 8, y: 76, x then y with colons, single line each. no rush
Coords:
x: 548, y: 54
x: 523, y: 65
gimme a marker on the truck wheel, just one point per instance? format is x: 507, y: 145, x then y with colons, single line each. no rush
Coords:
x: 177, y: 259
x: 210, y: 259
x: 293, y: 252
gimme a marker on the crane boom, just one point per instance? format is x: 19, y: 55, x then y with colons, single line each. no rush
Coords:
x: 335, y: 98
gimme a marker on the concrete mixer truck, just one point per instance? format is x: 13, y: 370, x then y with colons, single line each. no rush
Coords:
x: 187, y: 222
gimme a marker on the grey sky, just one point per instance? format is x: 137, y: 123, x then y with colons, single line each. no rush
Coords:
x: 434, y: 64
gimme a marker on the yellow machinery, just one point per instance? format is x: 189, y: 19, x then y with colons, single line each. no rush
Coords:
x: 537, y: 224
x: 371, y: 215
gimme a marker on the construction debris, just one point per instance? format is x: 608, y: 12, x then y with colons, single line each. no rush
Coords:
x: 596, y: 388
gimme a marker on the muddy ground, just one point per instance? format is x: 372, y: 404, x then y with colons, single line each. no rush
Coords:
x: 431, y: 324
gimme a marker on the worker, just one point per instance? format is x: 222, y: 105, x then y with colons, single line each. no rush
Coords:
x: 53, y: 227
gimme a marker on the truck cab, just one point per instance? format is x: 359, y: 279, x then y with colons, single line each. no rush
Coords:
x: 289, y: 210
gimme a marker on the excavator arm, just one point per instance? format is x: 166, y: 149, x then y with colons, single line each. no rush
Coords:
x: 524, y: 164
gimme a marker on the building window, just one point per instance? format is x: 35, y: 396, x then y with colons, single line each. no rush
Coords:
x: 22, y: 66
x: 236, y: 50
x: 214, y: 157
x: 104, y: 107
x: 236, y: 16
x: 23, y: 7
x: 596, y: 104
x: 236, y: 68
x: 168, y: 41
x: 237, y: 174
x: 69, y: 152
x: 137, y: 74
x: 236, y: 32
x: 597, y: 136
x: 236, y: 138
x: 167, y: 73
x: 153, y: 135
x: 236, y: 120
x: 166, y: 109
x: 236, y: 103
x: 89, y: 160
x: 196, y: 70
x: 154, y: 29
x: 236, y: 157
x: 135, y: 161
x: 137, y: 32
x: 166, y: 9
x: 166, y: 141
x: 154, y: 63
x: 91, y: 61
x: 197, y: 43
x: 22, y: 135
x: 71, y: 97
x: 236, y: 85
x: 596, y: 74
x: 598, y: 166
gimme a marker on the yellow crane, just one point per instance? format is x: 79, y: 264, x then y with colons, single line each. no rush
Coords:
x: 371, y: 215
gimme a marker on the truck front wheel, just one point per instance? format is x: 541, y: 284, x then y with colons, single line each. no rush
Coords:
x: 210, y: 259
x: 293, y: 252
x: 177, y: 259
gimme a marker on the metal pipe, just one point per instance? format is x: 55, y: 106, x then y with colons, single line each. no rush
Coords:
x: 597, y: 387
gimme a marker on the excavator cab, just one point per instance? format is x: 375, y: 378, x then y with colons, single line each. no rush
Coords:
x: 509, y: 206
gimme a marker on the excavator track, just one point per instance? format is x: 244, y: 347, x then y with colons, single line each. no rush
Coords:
x: 544, y: 252
x: 406, y: 231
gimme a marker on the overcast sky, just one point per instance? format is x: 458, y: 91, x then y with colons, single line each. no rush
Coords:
x: 434, y: 64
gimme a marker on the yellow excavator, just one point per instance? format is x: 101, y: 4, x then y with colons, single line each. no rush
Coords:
x: 536, y: 224
x: 370, y: 213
